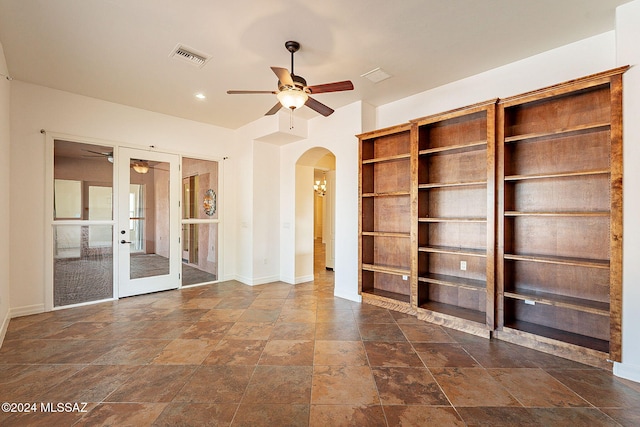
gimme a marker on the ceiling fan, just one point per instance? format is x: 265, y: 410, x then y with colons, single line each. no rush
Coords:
x: 293, y: 91
x: 107, y: 155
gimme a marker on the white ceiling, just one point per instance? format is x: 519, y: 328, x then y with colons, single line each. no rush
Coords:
x: 118, y: 50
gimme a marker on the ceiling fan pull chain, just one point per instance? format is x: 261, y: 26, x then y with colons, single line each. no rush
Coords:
x: 291, y: 119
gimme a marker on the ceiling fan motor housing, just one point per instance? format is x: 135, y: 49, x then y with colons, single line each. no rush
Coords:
x: 299, y: 82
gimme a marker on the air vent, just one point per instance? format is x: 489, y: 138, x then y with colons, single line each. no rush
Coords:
x: 376, y: 75
x: 190, y: 55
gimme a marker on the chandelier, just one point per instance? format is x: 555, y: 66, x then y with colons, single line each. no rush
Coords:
x: 320, y: 187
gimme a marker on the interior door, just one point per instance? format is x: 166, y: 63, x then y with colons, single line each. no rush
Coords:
x: 148, y: 222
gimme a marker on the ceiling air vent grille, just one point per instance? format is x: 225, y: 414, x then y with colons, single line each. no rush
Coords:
x: 190, y: 55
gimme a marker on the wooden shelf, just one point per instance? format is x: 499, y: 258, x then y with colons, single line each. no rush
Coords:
x: 460, y: 282
x: 398, y: 271
x: 387, y: 194
x: 388, y: 295
x: 557, y: 175
x: 563, y: 214
x: 593, y: 127
x: 558, y: 335
x: 455, y: 311
x: 387, y: 158
x: 577, y: 262
x: 481, y: 220
x: 386, y: 234
x: 452, y: 184
x: 454, y: 149
x: 579, y: 304
x: 453, y: 251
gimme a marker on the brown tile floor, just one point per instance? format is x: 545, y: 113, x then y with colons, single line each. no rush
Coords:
x: 282, y: 355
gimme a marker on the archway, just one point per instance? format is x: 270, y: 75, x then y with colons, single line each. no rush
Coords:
x: 314, y: 212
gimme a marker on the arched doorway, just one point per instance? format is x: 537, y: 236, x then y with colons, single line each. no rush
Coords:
x: 315, y: 212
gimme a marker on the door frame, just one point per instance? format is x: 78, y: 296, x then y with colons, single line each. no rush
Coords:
x: 127, y: 286
x: 48, y: 222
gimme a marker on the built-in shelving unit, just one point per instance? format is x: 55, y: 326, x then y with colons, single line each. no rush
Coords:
x: 385, y: 217
x: 454, y: 251
x: 560, y: 229
x: 503, y: 219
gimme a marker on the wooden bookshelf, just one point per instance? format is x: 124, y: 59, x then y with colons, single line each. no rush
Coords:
x: 385, y: 218
x: 560, y: 218
x: 454, y: 251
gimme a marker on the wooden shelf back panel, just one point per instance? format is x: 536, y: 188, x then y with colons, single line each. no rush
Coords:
x: 461, y: 282
x: 471, y: 299
x: 570, y: 281
x: 455, y: 311
x: 392, y: 251
x: 382, y: 281
x: 387, y: 145
x: 591, y: 105
x: 455, y: 131
x: 467, y: 166
x: 389, y: 176
x: 449, y: 265
x: 453, y: 202
x: 453, y: 234
x: 561, y: 336
x: 579, y: 304
x: 570, y: 194
x: 391, y: 214
x: 571, y: 153
x: 559, y: 318
x: 571, y: 237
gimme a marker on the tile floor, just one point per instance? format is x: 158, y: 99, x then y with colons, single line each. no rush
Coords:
x: 282, y: 355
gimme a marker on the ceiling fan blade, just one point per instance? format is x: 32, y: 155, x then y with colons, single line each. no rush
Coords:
x: 283, y: 75
x: 331, y: 87
x: 318, y: 107
x: 274, y: 109
x: 249, y: 92
x: 99, y: 153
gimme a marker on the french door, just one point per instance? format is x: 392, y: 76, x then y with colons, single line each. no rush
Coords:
x: 148, y: 233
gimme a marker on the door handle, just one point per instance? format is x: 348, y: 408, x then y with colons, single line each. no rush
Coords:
x: 124, y: 241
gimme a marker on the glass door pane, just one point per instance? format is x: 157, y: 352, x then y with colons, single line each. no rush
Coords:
x: 148, y: 226
x: 199, y: 221
x: 82, y: 223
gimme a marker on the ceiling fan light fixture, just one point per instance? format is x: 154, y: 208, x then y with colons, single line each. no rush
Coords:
x: 292, y: 98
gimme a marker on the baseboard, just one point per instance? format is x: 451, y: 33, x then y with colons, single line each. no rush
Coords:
x: 27, y: 310
x: 252, y: 281
x: 264, y: 280
x: 4, y: 326
x: 303, y: 279
x: 627, y: 371
x: 347, y: 295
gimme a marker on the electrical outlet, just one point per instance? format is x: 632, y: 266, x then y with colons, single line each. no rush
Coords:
x: 529, y: 302
x: 463, y: 265
x: 405, y: 277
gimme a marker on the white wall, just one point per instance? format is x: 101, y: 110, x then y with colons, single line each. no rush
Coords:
x: 266, y: 213
x: 304, y: 224
x: 627, y: 37
x: 336, y: 133
x: 578, y: 59
x: 5, y: 87
x: 35, y: 107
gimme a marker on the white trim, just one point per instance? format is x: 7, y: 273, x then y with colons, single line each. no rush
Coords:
x: 348, y: 296
x: 627, y: 371
x: 4, y: 326
x: 82, y: 304
x: 303, y: 279
x: 27, y: 310
x: 257, y: 280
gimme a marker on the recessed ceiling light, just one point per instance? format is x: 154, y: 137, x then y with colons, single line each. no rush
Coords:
x: 376, y: 75
x: 200, y: 96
